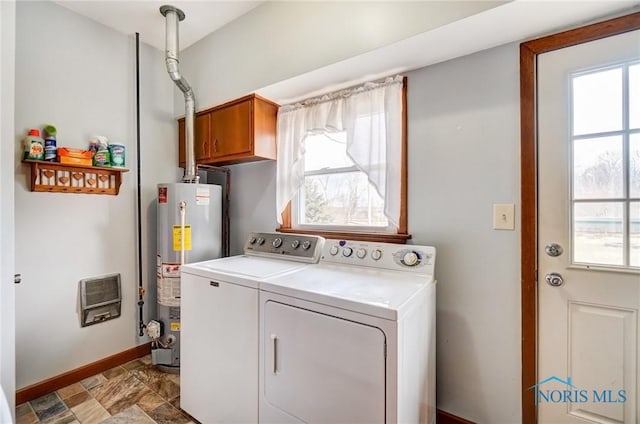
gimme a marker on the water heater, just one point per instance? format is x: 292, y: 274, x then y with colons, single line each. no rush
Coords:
x: 189, y: 230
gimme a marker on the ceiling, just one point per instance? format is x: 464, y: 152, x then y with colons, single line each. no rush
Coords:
x: 129, y: 17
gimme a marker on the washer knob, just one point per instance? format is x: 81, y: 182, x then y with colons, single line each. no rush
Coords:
x: 252, y: 240
x: 376, y: 254
x: 334, y: 250
x: 260, y: 241
x: 295, y: 244
x: 277, y: 242
x: 410, y: 259
x: 306, y: 245
x: 347, y: 251
x: 361, y: 253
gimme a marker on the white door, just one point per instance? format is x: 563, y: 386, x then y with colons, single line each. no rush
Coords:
x: 7, y: 157
x: 321, y: 369
x: 589, y: 206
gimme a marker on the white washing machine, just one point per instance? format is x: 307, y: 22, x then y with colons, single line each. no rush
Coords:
x: 219, y: 325
x: 350, y: 339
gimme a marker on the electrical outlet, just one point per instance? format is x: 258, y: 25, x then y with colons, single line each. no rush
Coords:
x: 504, y: 216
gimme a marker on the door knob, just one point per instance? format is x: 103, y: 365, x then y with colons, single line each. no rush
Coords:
x: 553, y: 249
x: 554, y: 279
x: 17, y: 278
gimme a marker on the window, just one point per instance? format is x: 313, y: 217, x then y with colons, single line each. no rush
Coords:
x: 342, y: 164
x: 335, y: 193
x: 606, y: 166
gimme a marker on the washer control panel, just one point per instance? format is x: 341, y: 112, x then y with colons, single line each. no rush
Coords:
x: 293, y: 247
x: 412, y: 258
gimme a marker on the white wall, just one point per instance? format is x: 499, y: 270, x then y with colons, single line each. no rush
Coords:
x: 280, y: 40
x: 79, y: 76
x: 7, y: 290
x: 464, y: 152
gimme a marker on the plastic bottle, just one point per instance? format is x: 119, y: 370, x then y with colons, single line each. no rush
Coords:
x: 50, y: 149
x: 101, y: 156
x: 33, y: 145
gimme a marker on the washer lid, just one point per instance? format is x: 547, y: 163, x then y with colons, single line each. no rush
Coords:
x: 366, y: 290
x: 245, y: 270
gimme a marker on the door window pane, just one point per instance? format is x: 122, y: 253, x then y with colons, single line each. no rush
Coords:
x: 598, y: 233
x: 598, y: 168
x: 597, y: 102
x: 634, y: 229
x: 634, y: 165
x: 634, y: 96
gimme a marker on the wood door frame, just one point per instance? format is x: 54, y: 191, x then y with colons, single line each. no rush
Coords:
x: 528, y: 163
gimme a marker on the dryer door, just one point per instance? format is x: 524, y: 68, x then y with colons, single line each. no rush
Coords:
x: 322, y: 369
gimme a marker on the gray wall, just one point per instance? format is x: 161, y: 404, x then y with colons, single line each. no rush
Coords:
x: 463, y: 157
x: 252, y: 201
x: 79, y: 76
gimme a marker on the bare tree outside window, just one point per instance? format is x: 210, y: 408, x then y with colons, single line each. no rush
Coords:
x: 335, y: 192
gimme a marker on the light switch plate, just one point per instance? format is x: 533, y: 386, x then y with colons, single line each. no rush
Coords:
x: 504, y: 216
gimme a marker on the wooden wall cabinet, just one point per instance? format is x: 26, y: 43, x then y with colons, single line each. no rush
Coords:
x: 242, y: 130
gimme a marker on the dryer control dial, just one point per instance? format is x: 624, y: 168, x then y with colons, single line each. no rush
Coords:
x: 306, y: 245
x: 347, y: 251
x: 295, y: 244
x: 260, y: 241
x: 334, y: 250
x: 361, y: 253
x: 376, y: 255
x: 411, y: 259
x: 277, y: 242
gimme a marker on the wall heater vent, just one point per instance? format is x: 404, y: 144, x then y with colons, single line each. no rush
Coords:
x: 100, y: 299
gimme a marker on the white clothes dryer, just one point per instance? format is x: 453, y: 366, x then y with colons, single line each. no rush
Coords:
x: 350, y: 339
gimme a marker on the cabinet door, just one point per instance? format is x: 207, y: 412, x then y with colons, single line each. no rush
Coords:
x: 219, y: 346
x: 203, y: 137
x: 322, y: 369
x: 232, y: 130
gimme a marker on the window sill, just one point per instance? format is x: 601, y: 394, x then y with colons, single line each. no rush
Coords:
x: 345, y: 235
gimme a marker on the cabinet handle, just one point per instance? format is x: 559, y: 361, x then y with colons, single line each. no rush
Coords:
x: 215, y: 145
x: 274, y: 346
x: 214, y: 284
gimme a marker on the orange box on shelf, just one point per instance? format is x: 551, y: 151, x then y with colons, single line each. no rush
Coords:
x: 72, y: 156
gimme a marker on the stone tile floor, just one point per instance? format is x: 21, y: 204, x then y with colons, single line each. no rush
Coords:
x: 133, y: 393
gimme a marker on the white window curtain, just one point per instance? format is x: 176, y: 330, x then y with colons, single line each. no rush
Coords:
x: 371, y: 116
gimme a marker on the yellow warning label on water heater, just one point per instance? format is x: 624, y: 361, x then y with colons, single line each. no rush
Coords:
x: 175, y: 326
x: 177, y: 238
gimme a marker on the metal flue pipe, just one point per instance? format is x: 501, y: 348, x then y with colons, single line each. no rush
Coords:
x: 173, y: 15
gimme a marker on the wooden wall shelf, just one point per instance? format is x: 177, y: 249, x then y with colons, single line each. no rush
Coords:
x: 64, y: 178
